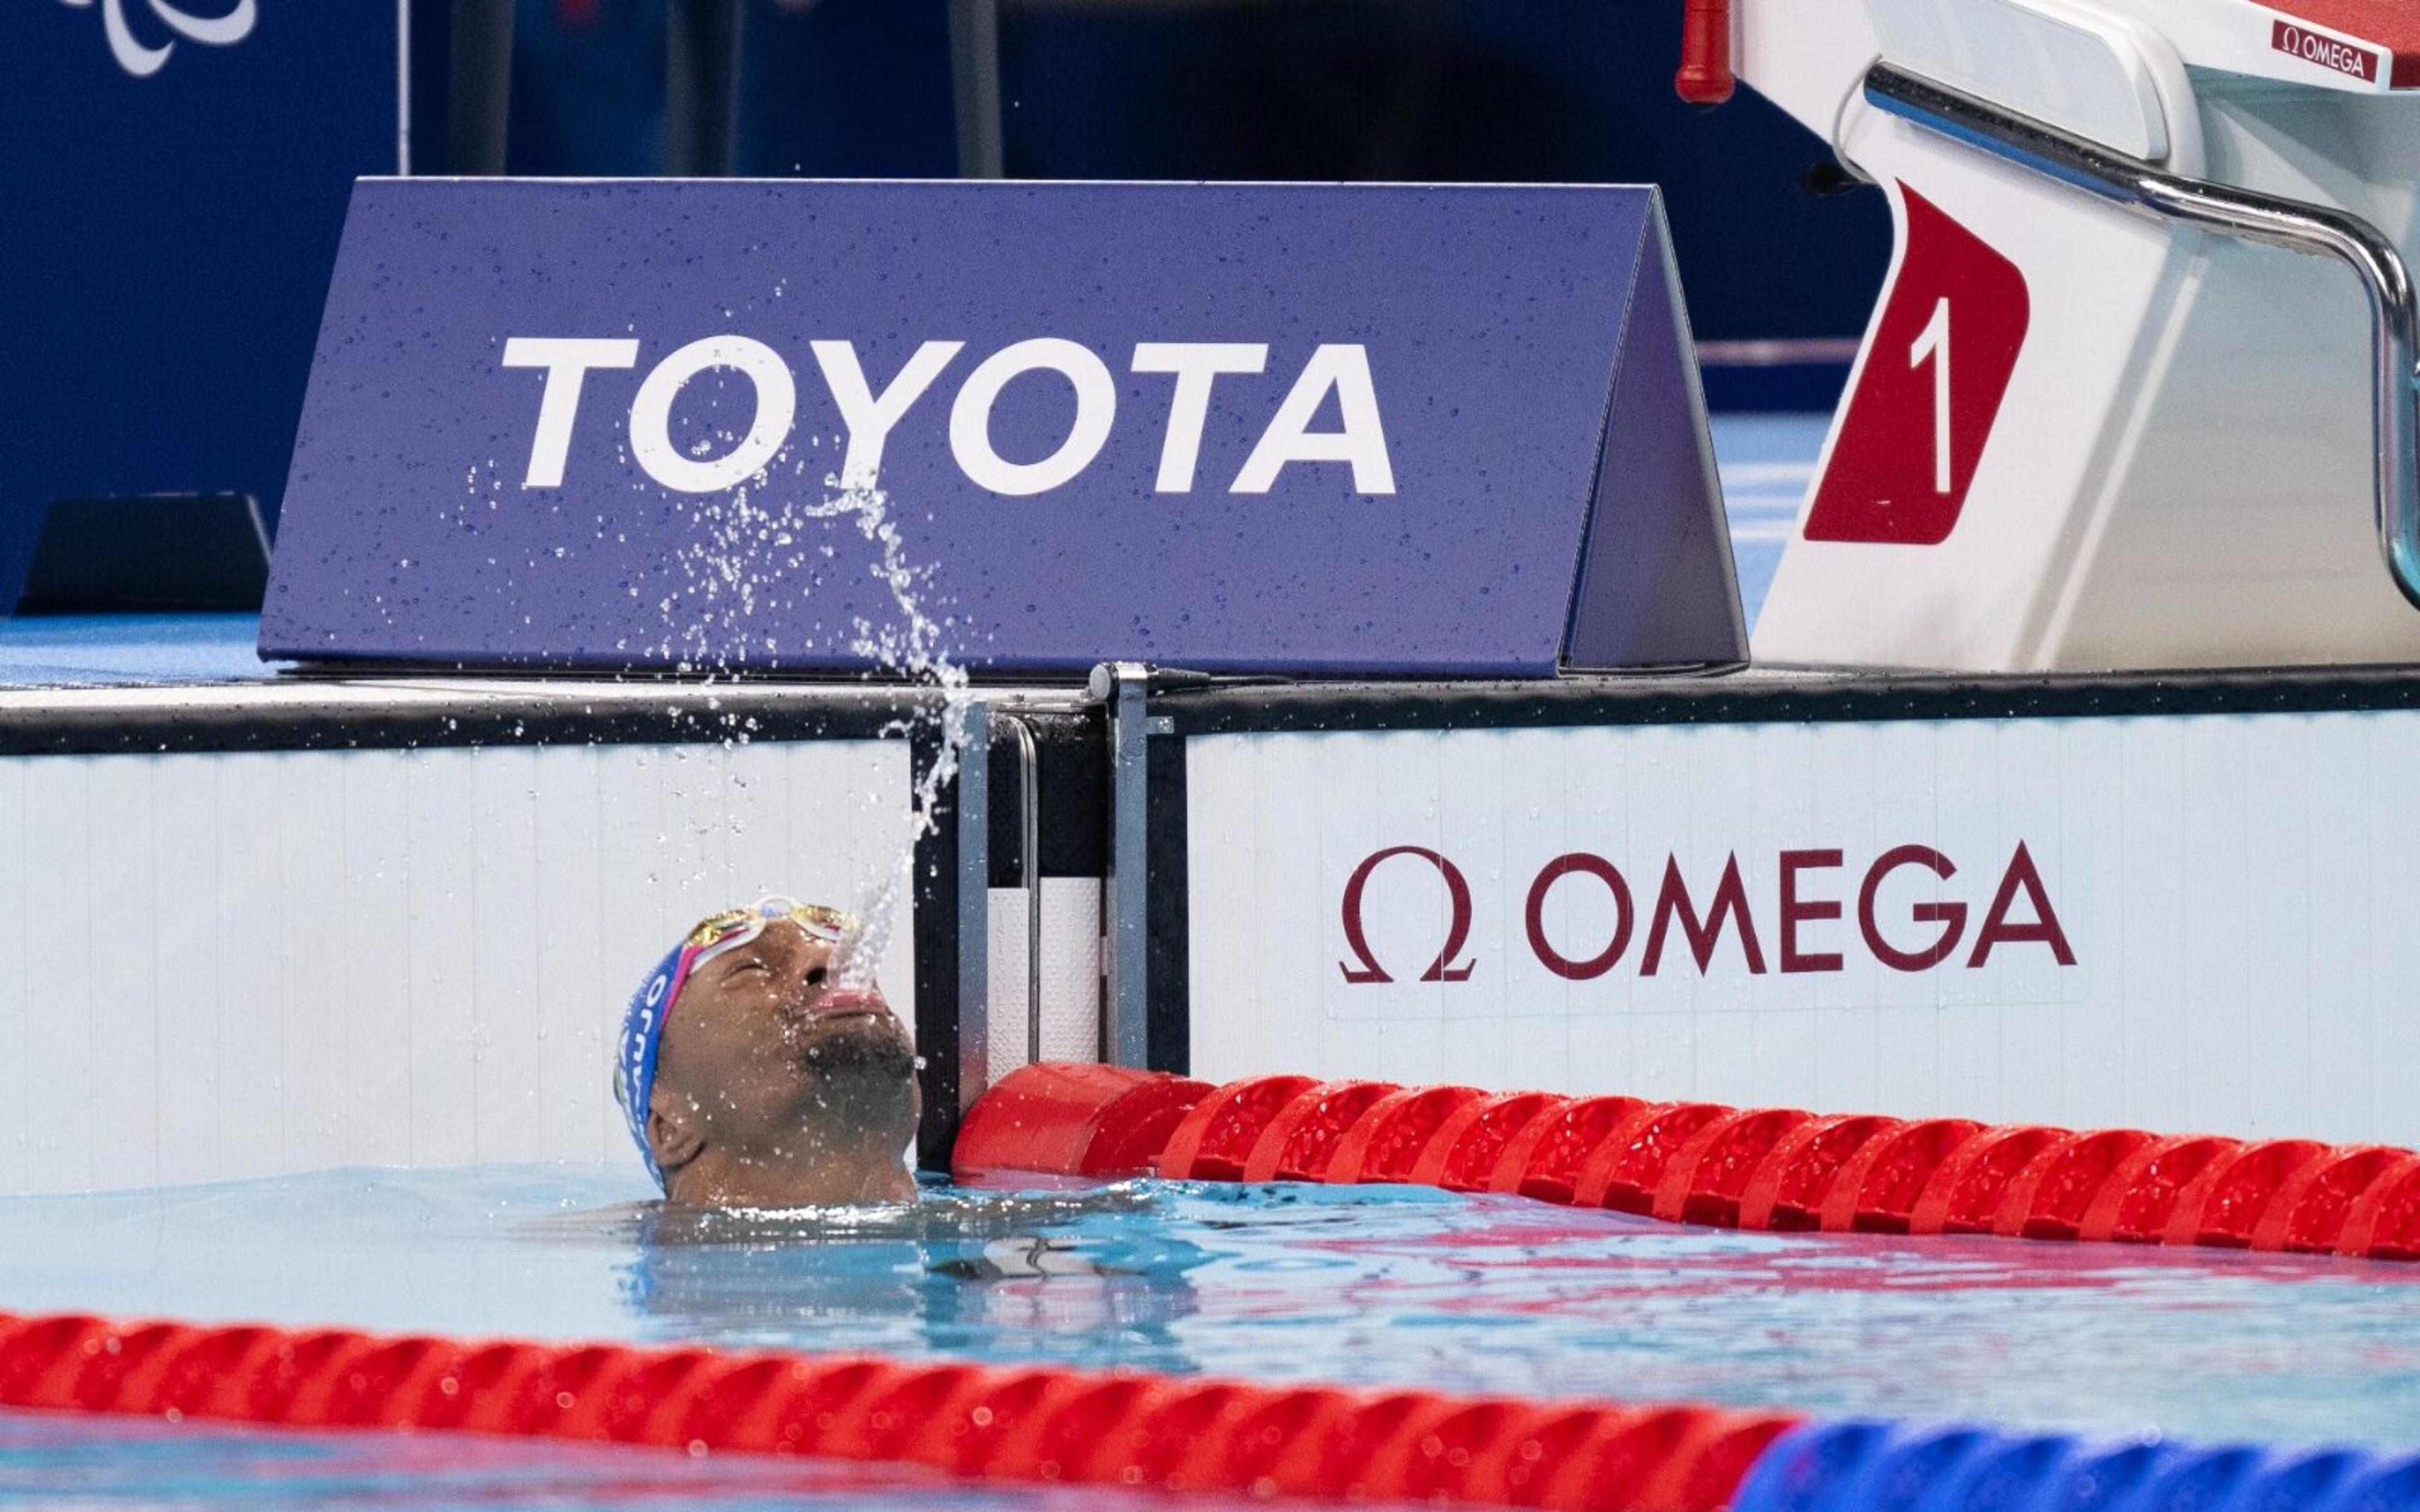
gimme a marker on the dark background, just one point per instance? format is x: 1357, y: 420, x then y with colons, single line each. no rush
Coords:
x: 1501, y: 90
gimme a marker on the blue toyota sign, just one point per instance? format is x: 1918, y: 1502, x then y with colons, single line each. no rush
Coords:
x: 1349, y: 429
x: 173, y: 180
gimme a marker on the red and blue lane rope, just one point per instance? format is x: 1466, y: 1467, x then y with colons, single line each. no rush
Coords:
x: 1151, y: 1432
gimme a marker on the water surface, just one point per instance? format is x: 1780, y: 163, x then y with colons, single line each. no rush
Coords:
x: 1366, y: 1285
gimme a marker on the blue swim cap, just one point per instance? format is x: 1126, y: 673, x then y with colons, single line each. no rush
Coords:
x: 643, y: 1041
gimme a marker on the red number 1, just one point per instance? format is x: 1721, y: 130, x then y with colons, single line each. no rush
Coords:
x: 1877, y: 488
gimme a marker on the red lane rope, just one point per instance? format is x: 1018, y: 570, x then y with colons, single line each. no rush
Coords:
x: 1759, y: 1168
x: 1012, y: 1424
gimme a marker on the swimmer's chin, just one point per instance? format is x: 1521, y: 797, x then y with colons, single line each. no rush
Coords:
x: 874, y: 1042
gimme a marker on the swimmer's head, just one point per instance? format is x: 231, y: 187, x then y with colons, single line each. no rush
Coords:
x: 749, y: 1078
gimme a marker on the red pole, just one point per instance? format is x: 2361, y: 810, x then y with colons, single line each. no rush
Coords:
x: 1705, y: 77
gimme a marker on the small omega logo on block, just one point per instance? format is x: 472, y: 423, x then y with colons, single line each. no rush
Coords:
x: 2326, y: 52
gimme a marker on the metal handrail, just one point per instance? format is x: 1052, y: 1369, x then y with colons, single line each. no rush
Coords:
x: 1028, y: 867
x: 1124, y: 687
x: 2313, y: 229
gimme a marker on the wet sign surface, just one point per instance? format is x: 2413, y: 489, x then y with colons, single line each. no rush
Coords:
x: 1382, y: 430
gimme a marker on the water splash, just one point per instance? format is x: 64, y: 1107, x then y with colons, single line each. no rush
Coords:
x: 755, y: 555
x: 913, y: 649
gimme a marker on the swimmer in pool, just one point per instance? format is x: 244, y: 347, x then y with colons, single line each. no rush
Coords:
x: 752, y: 1079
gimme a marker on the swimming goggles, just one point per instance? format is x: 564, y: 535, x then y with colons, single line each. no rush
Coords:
x: 734, y: 927
x: 642, y: 1023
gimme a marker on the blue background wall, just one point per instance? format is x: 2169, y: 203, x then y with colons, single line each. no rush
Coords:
x: 164, y: 246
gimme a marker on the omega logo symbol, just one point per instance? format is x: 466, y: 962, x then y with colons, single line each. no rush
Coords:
x: 1903, y: 910
x: 142, y: 60
x: 1457, y: 930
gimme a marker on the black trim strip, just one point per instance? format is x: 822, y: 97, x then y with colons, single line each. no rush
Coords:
x: 1071, y: 751
x: 1774, y: 696
x: 92, y: 724
x: 935, y: 911
x: 1168, y: 930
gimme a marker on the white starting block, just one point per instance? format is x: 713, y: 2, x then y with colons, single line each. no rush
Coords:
x: 2140, y: 394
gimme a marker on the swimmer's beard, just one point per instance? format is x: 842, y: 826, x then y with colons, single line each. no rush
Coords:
x: 863, y: 1052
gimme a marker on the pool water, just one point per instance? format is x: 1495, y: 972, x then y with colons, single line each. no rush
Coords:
x: 1359, y: 1286
x: 60, y: 1461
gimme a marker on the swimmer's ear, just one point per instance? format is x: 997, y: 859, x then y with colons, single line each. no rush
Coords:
x: 673, y: 1136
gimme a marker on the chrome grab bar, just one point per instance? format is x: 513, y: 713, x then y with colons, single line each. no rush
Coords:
x: 2313, y: 229
x: 1028, y: 867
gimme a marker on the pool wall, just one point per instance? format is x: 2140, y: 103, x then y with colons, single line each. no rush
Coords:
x: 281, y: 928
x: 2159, y: 902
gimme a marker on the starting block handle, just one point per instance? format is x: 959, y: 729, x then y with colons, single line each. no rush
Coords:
x: 481, y: 86
x: 974, y: 81
x: 2315, y: 230
x: 1706, y: 77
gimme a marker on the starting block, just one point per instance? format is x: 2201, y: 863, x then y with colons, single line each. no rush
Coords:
x: 2140, y: 393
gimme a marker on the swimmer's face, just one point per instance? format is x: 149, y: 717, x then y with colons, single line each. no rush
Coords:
x: 769, y: 1068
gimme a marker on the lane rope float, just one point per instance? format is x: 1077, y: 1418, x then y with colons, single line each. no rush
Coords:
x: 1014, y: 1424
x: 1776, y: 1169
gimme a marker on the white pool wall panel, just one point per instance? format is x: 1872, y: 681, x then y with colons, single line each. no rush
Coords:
x: 251, y: 964
x: 2237, y: 890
